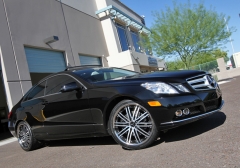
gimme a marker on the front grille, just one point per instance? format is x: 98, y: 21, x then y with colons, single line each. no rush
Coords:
x: 202, y: 82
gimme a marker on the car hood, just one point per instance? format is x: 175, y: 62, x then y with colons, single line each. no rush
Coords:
x: 173, y: 74
x: 161, y: 76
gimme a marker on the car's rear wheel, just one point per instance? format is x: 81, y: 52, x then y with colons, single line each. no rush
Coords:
x: 25, y: 137
x: 132, y: 126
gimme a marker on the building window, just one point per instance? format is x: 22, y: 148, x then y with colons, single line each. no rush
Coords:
x: 148, y: 51
x: 135, y: 39
x: 122, y: 37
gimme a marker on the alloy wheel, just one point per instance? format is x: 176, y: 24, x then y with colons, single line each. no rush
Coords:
x: 24, y: 136
x: 132, y: 124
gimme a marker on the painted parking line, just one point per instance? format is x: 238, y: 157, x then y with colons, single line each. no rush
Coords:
x: 7, y: 141
x: 222, y: 82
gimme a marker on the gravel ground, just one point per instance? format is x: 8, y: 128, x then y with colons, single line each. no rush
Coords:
x: 211, y: 142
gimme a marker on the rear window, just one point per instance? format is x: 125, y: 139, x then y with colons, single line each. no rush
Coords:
x: 37, y: 91
x: 103, y: 74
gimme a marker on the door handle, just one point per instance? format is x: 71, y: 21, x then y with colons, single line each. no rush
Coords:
x: 45, y: 103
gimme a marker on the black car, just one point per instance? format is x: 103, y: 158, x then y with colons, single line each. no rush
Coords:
x: 131, y: 107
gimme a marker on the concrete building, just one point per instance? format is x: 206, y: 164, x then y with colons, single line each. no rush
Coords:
x: 235, y: 59
x: 39, y: 37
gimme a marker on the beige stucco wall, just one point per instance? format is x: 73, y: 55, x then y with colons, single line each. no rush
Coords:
x: 228, y: 74
x: 225, y: 74
x: 30, y: 22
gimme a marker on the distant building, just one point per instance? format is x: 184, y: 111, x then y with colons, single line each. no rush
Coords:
x: 39, y: 37
x: 235, y: 59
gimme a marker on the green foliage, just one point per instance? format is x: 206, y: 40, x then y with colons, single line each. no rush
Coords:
x: 175, y: 65
x: 201, y: 58
x: 188, y: 31
x: 220, y: 54
x: 215, y: 77
x: 208, y: 66
x: 202, y: 61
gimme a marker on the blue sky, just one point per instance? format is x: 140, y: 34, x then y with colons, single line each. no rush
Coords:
x: 228, y: 7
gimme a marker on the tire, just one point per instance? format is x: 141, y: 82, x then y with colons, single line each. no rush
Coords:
x: 131, y: 125
x: 25, y: 137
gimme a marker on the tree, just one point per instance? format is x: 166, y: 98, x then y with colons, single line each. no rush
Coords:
x: 187, y: 31
x: 220, y: 54
x: 202, y: 58
x: 175, y: 65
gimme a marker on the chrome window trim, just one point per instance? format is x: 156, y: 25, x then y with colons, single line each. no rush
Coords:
x: 53, y: 93
x: 70, y: 76
x: 33, y: 89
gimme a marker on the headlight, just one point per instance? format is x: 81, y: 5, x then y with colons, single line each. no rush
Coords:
x: 159, y: 87
x: 181, y: 87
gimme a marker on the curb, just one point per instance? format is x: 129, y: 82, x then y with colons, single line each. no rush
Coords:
x: 7, y: 141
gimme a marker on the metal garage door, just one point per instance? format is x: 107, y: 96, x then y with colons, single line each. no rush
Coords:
x: 88, y: 60
x: 44, y: 61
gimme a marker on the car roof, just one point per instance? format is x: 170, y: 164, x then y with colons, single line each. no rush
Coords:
x: 68, y: 70
x: 82, y: 67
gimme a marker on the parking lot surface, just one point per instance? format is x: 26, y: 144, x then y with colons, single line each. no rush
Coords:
x: 211, y: 142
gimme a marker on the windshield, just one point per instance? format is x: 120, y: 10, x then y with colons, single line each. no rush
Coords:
x: 103, y: 74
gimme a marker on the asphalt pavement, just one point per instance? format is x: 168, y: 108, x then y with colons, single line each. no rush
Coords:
x: 211, y: 142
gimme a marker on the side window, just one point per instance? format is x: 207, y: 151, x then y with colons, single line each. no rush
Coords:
x: 116, y: 75
x: 54, y: 84
x: 38, y: 91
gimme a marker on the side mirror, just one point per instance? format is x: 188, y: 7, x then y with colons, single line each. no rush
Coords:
x: 69, y: 87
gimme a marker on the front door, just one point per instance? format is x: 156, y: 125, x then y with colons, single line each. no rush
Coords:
x: 66, y: 114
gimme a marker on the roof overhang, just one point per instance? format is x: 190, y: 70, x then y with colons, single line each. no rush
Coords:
x: 116, y: 13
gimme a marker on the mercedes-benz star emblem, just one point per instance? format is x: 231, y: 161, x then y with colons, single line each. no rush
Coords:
x: 211, y: 81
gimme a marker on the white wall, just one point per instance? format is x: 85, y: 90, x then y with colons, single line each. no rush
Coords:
x: 236, y: 57
x: 161, y: 63
x: 120, y: 59
x: 111, y: 36
x: 131, y: 60
x: 100, y: 4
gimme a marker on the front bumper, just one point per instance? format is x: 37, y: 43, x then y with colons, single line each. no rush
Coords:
x: 172, y: 124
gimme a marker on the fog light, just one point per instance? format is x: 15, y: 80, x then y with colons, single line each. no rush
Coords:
x: 178, y: 113
x: 186, y: 111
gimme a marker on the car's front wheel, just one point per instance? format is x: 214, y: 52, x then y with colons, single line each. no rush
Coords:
x: 132, y: 126
x: 25, y: 137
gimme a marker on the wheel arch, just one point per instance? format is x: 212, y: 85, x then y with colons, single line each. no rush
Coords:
x: 112, y: 103
x: 16, y: 125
